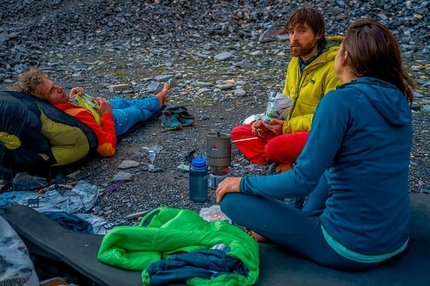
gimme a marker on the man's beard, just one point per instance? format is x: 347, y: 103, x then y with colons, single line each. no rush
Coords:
x: 303, y: 51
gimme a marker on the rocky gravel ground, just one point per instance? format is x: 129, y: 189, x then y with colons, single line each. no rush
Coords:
x: 219, y: 61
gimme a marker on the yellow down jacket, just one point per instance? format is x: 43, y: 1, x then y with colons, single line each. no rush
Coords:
x: 308, y: 87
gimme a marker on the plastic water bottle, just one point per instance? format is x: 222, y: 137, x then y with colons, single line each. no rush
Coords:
x: 199, y: 179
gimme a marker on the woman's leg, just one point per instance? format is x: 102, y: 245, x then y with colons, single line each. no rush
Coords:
x: 295, y: 229
x: 251, y: 145
x: 287, y: 147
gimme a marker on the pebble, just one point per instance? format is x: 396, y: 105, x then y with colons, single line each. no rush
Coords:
x: 126, y: 164
x: 225, y: 86
x: 122, y: 176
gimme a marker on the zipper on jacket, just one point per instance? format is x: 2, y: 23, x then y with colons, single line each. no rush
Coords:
x: 302, y: 78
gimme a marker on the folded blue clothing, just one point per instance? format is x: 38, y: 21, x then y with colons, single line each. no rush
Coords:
x: 201, y: 263
x: 71, y: 222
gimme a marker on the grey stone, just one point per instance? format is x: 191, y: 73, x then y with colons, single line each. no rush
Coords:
x: 225, y: 86
x: 122, y: 176
x: 203, y: 90
x: 3, y: 38
x: 239, y: 92
x: 156, y: 170
x: 154, y: 87
x: 426, y: 109
x: 266, y: 36
x: 164, y: 78
x: 126, y: 164
x: 118, y: 87
x: 223, y: 56
x: 417, y: 95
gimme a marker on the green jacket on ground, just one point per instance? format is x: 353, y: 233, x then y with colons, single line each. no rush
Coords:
x: 165, y: 231
x: 308, y: 87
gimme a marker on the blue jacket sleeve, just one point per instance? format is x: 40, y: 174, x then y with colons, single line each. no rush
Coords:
x: 328, y: 129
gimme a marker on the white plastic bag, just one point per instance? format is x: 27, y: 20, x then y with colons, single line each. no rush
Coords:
x: 213, y: 213
x: 278, y: 106
x: 153, y: 151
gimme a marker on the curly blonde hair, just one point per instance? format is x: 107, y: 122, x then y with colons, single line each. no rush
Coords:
x: 28, y: 81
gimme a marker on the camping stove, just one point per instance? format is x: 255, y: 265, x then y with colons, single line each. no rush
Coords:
x: 218, y: 151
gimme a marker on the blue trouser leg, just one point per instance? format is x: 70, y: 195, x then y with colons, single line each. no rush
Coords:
x: 290, y: 227
x: 127, y: 113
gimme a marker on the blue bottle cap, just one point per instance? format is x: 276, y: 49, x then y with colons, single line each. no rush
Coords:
x: 198, y: 162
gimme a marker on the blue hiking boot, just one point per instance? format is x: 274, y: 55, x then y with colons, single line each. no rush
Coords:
x: 186, y: 120
x: 170, y: 121
x: 184, y: 117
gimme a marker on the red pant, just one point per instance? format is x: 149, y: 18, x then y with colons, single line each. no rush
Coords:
x: 283, y: 148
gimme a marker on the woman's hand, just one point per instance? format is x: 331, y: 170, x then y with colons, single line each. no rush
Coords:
x: 102, y: 105
x: 75, y: 92
x: 228, y: 185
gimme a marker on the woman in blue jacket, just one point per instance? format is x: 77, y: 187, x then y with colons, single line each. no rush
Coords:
x: 354, y: 167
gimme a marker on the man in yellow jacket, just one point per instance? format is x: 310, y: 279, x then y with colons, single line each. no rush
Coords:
x: 310, y: 75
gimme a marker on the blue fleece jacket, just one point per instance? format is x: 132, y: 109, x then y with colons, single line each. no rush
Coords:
x: 360, y: 141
